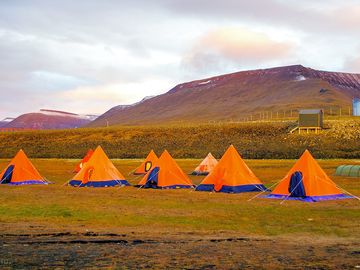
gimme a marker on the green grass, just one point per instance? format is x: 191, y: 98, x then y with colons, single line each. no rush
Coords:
x: 130, y: 209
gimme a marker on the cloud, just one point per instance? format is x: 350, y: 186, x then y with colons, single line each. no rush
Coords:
x: 235, y: 47
x: 353, y: 64
x: 96, y: 98
x: 42, y: 69
x: 350, y: 18
x: 311, y: 16
x: 112, y: 52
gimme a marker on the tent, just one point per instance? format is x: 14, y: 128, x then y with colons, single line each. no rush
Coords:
x: 21, y: 171
x: 84, y: 160
x: 231, y: 175
x: 348, y: 170
x: 306, y: 181
x: 206, y: 166
x: 99, y: 171
x: 147, y: 164
x: 166, y: 174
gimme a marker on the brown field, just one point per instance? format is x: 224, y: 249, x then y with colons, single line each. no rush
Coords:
x: 254, y: 140
x: 58, y: 226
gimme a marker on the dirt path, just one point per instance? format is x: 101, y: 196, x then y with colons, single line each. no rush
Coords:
x: 121, y: 251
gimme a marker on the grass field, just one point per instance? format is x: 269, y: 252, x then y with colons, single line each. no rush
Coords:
x: 183, y: 214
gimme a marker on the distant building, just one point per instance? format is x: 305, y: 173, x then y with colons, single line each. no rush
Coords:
x: 311, y: 118
x: 356, y: 107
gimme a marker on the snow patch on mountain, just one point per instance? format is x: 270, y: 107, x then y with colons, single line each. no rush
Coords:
x: 300, y: 78
x: 89, y: 117
x: 206, y: 82
x: 7, y: 119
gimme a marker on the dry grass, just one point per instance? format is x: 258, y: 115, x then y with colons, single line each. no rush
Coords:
x: 253, y: 140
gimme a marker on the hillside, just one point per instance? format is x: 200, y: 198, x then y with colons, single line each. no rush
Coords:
x: 238, y: 95
x: 49, y: 119
x: 253, y: 139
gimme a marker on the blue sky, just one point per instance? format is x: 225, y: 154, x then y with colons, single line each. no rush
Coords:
x: 87, y: 56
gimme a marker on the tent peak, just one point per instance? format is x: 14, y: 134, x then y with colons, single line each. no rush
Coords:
x: 165, y: 153
x: 98, y: 147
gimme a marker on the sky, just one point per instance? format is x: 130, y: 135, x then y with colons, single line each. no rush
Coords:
x: 87, y: 56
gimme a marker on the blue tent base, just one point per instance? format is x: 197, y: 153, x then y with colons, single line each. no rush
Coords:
x: 309, y: 198
x: 28, y: 182
x: 233, y: 189
x: 166, y: 187
x: 110, y: 183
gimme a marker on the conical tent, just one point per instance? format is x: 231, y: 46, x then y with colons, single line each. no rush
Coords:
x: 99, y: 171
x: 166, y: 174
x: 147, y: 164
x: 206, y: 166
x: 21, y: 171
x: 84, y: 160
x: 307, y: 181
x: 231, y: 175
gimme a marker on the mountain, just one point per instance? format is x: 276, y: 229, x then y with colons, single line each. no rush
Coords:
x: 240, y: 94
x: 50, y: 119
x: 5, y: 121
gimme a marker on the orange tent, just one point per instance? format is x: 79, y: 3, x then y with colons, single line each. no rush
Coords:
x: 231, y: 175
x: 307, y: 181
x: 99, y: 171
x: 21, y: 171
x: 147, y: 164
x: 84, y: 160
x: 166, y: 174
x: 206, y: 166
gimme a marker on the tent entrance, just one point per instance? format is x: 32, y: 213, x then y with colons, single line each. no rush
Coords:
x: 152, y: 180
x: 7, y: 176
x: 296, y: 185
x: 87, y: 175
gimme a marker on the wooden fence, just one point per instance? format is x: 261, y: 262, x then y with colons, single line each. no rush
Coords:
x: 289, y: 115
